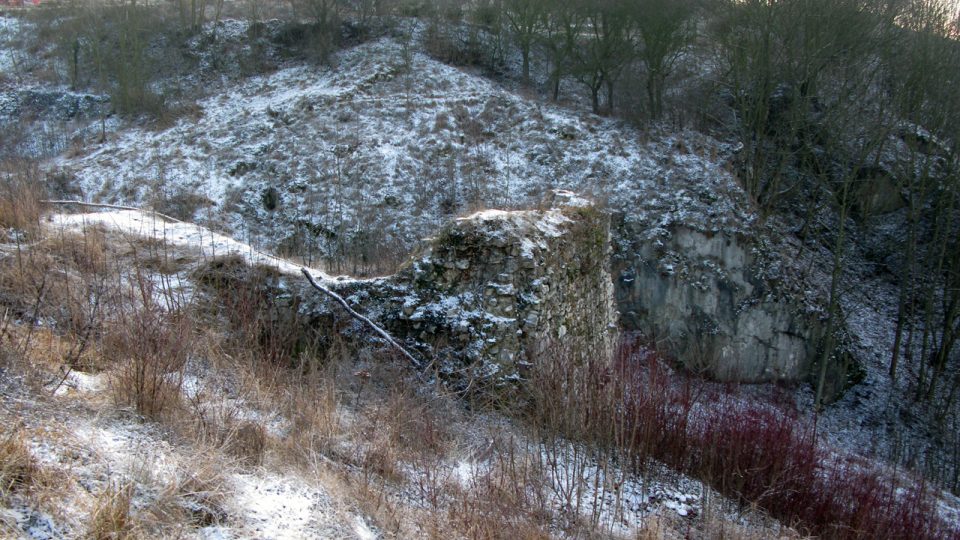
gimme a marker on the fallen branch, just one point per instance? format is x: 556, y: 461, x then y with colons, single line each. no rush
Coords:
x: 380, y: 331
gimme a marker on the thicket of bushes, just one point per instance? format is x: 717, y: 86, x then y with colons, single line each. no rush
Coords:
x: 640, y: 412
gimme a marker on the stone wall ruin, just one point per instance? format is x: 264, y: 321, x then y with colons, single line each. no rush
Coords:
x: 492, y: 292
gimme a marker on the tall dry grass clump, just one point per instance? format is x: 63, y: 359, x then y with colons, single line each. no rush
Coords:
x: 196, y: 496
x: 317, y: 428
x: 20, y: 194
x: 58, y: 289
x: 18, y: 469
x: 149, y: 347
x: 112, y: 518
x: 509, y: 500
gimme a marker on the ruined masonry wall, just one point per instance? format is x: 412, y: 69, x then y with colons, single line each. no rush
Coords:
x: 496, y: 290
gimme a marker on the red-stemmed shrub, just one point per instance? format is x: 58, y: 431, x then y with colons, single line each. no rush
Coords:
x: 758, y: 453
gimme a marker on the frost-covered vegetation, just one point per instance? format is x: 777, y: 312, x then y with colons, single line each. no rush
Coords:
x: 152, y: 389
x: 819, y: 134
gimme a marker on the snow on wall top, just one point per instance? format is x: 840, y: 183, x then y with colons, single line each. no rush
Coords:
x: 520, y: 221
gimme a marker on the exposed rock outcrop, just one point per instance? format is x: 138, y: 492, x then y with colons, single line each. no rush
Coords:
x: 708, y: 301
x: 495, y: 290
x: 50, y: 105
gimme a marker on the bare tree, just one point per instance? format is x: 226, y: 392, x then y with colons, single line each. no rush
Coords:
x: 322, y: 12
x: 783, y: 64
x: 525, y: 19
x: 664, y: 29
x: 193, y: 13
x: 324, y: 32
x: 600, y: 58
x: 563, y: 23
x: 923, y: 88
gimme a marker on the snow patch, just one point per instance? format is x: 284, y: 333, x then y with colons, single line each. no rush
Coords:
x: 208, y: 243
x: 363, y: 530
x: 486, y: 215
x: 84, y: 383
x: 280, y: 508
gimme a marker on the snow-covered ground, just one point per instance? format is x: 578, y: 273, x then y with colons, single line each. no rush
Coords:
x: 97, y: 448
x: 75, y: 433
x: 148, y: 225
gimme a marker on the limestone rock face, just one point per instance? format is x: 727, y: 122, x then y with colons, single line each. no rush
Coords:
x: 702, y: 298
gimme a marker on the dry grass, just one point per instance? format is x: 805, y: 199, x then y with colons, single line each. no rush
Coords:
x: 18, y: 470
x: 26, y: 278
x: 195, y: 498
x: 247, y: 442
x: 717, y: 528
x: 84, y: 254
x: 511, y: 492
x: 317, y: 426
x: 420, y: 424
x: 20, y: 196
x: 111, y: 518
x: 66, y: 280
x: 150, y: 348
x: 216, y: 421
x: 658, y: 528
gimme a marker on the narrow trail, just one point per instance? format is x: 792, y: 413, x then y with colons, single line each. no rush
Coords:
x: 150, y: 225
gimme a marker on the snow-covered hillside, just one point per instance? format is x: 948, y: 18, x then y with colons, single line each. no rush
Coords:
x: 377, y: 152
x: 348, y: 167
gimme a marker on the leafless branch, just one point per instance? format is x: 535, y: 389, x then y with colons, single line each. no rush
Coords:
x: 379, y: 331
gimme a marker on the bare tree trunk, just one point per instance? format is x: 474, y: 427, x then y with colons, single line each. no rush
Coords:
x: 654, y: 110
x: 610, y: 95
x: 526, y: 64
x: 905, y: 287
x: 833, y: 309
